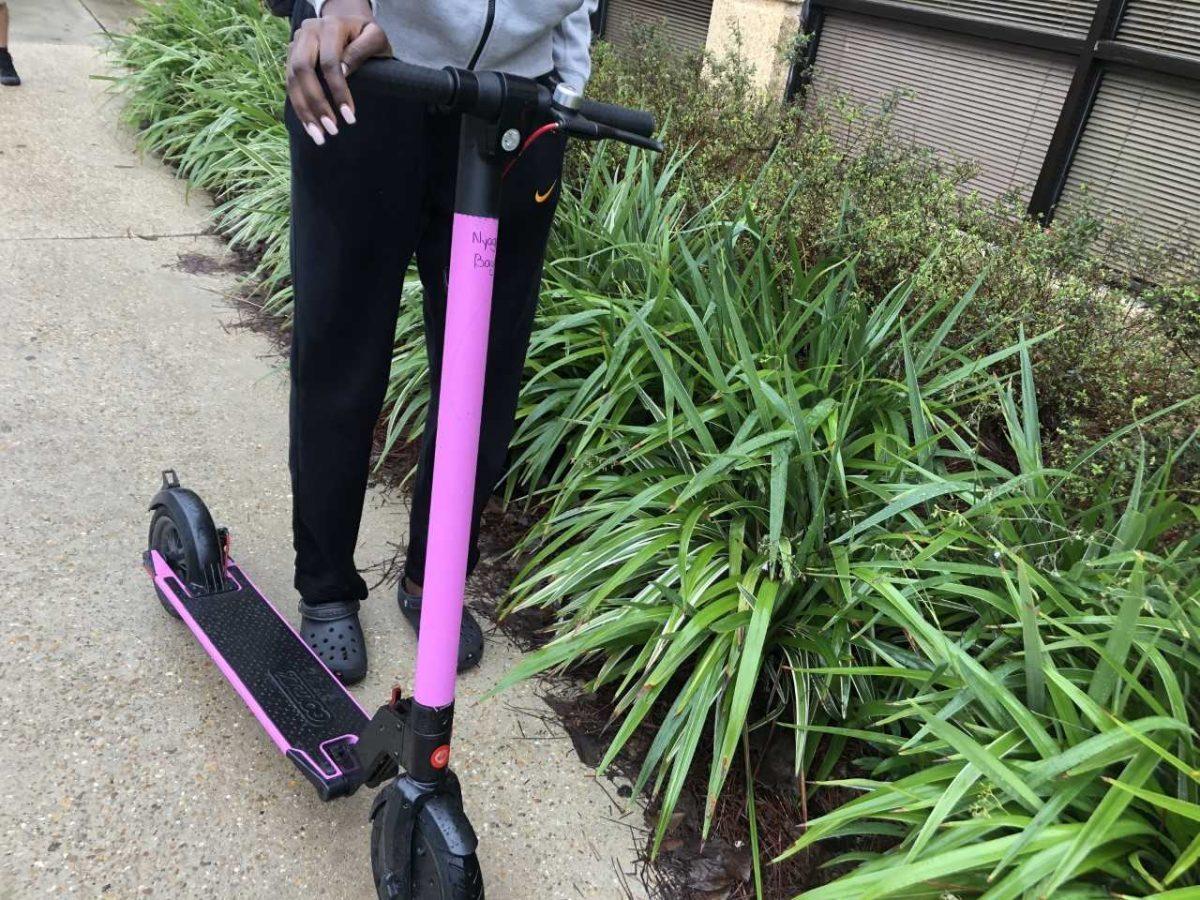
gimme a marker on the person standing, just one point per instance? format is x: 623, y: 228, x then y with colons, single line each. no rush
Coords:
x: 373, y: 185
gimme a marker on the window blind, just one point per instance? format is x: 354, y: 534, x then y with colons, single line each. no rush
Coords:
x: 968, y: 98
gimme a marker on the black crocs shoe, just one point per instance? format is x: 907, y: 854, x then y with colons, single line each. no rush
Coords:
x: 8, y: 72
x: 335, y: 635
x: 470, y: 635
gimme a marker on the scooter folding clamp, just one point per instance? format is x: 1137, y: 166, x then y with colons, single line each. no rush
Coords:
x: 405, y: 736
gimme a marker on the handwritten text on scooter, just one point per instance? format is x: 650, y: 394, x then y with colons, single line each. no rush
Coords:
x: 485, y: 253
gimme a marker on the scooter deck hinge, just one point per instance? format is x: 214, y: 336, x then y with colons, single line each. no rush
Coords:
x: 405, y: 736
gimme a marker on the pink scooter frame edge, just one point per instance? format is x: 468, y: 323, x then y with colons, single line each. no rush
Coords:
x: 161, y: 573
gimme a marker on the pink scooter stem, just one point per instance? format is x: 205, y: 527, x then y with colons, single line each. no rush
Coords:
x: 460, y: 402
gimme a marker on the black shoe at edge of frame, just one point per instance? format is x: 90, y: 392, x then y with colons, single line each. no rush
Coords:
x: 8, y: 72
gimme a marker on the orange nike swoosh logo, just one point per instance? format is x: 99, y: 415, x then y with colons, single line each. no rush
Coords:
x: 542, y: 198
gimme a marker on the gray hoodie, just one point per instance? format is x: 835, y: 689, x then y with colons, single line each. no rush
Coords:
x: 524, y: 37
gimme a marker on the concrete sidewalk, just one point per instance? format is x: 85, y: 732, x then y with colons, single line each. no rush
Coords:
x: 130, y: 767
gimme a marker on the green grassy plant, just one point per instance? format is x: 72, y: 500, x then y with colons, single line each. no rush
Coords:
x: 768, y: 508
x: 203, y: 83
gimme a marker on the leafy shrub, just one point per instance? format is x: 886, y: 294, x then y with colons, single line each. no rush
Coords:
x: 845, y: 185
x: 1178, y: 309
x: 205, y: 79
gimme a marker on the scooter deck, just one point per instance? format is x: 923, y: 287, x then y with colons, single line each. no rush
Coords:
x: 306, y: 711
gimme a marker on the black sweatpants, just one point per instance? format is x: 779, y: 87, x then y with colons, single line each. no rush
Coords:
x: 362, y: 206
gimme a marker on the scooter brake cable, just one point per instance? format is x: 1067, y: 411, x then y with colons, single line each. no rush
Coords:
x: 529, y: 141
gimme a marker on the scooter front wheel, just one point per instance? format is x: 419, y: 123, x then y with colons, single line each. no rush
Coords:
x: 443, y: 863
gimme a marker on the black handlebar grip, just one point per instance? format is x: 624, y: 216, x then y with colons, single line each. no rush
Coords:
x: 406, y: 81
x: 633, y: 120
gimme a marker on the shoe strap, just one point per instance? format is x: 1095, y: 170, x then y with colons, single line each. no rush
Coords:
x: 329, y: 612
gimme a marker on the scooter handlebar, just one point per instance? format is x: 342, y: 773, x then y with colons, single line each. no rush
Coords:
x: 635, y: 121
x: 407, y: 81
x: 461, y: 90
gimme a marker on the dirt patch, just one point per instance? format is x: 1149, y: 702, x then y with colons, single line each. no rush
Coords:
x: 203, y: 264
x: 721, y: 866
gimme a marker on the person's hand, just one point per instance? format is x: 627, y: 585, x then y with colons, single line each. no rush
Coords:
x: 342, y: 39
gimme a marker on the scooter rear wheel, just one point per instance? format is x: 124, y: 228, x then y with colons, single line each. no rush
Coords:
x: 438, y: 873
x: 183, y: 534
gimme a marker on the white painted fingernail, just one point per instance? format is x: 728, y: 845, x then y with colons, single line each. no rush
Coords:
x: 330, y: 125
x: 345, y: 70
x: 315, y: 133
x: 348, y: 114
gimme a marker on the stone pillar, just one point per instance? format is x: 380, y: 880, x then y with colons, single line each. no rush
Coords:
x: 768, y: 29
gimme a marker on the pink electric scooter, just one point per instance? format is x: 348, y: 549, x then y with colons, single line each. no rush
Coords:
x: 422, y: 846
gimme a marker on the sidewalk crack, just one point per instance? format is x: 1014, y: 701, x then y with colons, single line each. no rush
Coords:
x: 95, y: 19
x: 128, y: 236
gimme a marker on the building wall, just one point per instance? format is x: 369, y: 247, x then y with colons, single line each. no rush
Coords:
x: 768, y: 30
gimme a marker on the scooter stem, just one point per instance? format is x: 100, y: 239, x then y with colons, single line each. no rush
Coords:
x: 460, y: 405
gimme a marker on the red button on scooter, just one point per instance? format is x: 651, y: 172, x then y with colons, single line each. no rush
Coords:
x: 439, y: 757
